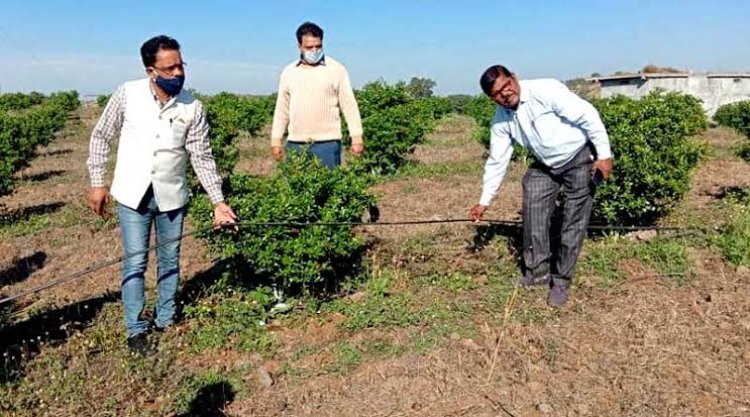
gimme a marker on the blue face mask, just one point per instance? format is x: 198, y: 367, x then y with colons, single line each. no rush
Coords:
x: 171, y: 86
x: 313, y: 58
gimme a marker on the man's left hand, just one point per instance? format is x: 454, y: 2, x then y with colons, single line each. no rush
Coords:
x: 223, y: 215
x: 603, y: 165
x: 358, y: 148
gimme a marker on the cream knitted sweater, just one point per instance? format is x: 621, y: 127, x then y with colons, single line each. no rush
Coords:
x: 310, y: 101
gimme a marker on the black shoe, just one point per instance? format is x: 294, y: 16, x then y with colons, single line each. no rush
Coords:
x: 157, y: 329
x: 528, y: 281
x: 558, y: 294
x: 138, y: 344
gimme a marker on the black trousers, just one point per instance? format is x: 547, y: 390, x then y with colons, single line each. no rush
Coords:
x: 541, y: 186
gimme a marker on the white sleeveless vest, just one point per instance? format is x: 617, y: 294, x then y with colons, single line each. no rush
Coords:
x: 152, y: 148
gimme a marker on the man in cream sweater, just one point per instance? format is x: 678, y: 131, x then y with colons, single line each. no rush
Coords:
x: 313, y: 91
x: 161, y: 126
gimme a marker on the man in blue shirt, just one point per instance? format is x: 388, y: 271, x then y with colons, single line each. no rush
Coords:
x: 571, y: 150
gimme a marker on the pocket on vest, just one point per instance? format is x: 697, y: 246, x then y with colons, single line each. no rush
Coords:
x: 179, y: 131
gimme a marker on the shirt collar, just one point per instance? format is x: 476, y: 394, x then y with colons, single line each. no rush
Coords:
x: 322, y: 61
x: 524, y: 96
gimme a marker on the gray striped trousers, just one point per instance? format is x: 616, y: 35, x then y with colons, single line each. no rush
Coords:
x: 541, y: 186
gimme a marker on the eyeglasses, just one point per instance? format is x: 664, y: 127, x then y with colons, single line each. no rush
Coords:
x: 172, y: 68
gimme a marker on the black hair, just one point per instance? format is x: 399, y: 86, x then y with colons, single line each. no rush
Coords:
x: 151, y: 47
x: 487, y: 80
x: 309, y: 29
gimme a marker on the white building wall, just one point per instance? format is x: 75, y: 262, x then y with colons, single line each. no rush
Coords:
x: 713, y: 91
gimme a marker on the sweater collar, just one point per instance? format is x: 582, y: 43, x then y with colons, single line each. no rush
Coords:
x: 322, y: 62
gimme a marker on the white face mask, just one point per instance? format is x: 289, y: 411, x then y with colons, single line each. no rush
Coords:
x: 313, y: 58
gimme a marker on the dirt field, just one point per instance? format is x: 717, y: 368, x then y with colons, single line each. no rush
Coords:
x: 659, y: 327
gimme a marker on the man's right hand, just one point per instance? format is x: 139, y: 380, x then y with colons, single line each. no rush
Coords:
x: 477, y: 212
x: 277, y: 152
x: 98, y: 198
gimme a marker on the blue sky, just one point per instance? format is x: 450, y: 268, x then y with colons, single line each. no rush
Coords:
x: 241, y: 46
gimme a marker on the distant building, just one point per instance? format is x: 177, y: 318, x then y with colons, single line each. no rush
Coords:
x: 714, y: 90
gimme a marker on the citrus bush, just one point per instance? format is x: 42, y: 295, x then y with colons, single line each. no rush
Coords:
x: 735, y: 116
x: 394, y: 123
x: 435, y: 107
x: 654, y: 155
x: 102, y: 100
x: 228, y: 115
x: 482, y: 109
x: 295, y: 260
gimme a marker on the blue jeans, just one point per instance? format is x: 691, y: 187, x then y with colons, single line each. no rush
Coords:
x: 329, y: 151
x: 135, y: 228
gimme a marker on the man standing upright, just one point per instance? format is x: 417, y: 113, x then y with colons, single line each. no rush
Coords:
x: 161, y: 125
x: 313, y: 91
x: 571, y: 150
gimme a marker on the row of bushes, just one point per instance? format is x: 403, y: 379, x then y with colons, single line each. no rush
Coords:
x: 22, y: 132
x: 737, y: 117
x: 20, y: 101
x: 229, y: 115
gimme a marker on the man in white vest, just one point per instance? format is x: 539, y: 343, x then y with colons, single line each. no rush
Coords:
x: 161, y: 125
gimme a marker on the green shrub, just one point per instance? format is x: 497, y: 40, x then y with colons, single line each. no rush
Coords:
x: 296, y: 260
x: 435, y: 107
x: 394, y: 123
x: 735, y: 116
x: 228, y: 115
x: 654, y: 156
x: 102, y: 100
x: 482, y: 109
x: 20, y: 101
x: 459, y: 102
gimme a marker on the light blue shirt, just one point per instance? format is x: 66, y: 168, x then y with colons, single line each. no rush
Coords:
x: 551, y: 121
